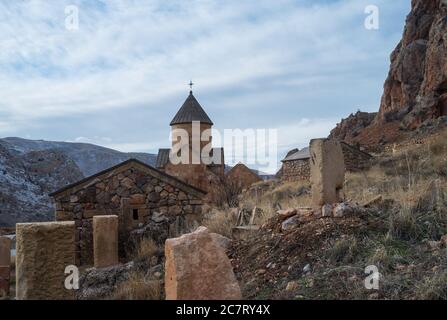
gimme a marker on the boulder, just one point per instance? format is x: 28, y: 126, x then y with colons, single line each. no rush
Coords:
x: 326, y: 210
x: 221, y: 240
x: 290, y: 223
x: 287, y: 213
x: 197, y: 268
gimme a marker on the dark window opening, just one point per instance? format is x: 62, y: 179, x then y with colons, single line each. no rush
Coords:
x: 135, y: 214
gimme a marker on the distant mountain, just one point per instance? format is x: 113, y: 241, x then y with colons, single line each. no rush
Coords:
x: 30, y: 169
x: 90, y: 158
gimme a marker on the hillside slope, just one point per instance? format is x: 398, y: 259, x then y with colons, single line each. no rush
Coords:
x: 30, y: 170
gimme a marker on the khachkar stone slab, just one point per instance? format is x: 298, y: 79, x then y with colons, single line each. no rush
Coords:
x: 5, y: 264
x: 44, y: 250
x: 327, y: 171
x: 197, y: 268
x: 105, y: 241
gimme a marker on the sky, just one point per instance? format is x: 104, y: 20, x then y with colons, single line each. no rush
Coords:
x: 118, y: 79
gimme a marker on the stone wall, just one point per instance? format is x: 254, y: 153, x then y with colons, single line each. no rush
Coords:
x: 241, y: 177
x: 44, y: 250
x: 199, y: 176
x: 133, y: 192
x: 296, y: 170
x: 355, y: 159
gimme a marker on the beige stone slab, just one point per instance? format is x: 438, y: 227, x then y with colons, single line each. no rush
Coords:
x: 44, y: 250
x: 327, y: 170
x: 105, y: 241
x: 197, y: 268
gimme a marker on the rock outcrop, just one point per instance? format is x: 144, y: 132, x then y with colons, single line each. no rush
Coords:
x: 417, y: 81
x: 415, y: 91
x: 26, y: 178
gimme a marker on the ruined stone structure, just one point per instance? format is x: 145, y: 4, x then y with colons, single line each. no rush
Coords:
x: 133, y: 191
x: 5, y: 265
x: 327, y: 171
x: 204, y: 173
x: 295, y: 166
x: 44, y: 250
x: 105, y: 241
x: 355, y: 159
x: 197, y: 268
x: 241, y: 177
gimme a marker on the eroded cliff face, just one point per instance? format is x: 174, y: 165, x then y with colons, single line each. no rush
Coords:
x: 417, y: 82
x: 415, y: 91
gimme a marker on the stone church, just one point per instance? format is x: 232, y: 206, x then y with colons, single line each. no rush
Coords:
x: 169, y: 197
x: 206, y: 175
x: 135, y: 192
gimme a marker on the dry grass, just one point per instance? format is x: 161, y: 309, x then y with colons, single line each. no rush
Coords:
x: 147, y: 248
x: 433, y: 287
x: 220, y: 221
x: 138, y: 288
x: 279, y: 195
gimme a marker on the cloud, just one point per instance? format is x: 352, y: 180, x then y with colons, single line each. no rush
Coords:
x: 256, y: 64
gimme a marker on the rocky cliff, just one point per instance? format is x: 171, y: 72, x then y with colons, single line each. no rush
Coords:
x: 416, y: 87
x: 415, y: 91
x: 30, y: 170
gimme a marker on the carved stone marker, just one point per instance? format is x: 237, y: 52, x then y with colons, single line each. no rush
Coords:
x: 197, y: 268
x: 44, y: 250
x: 105, y: 241
x: 327, y: 171
x: 5, y: 265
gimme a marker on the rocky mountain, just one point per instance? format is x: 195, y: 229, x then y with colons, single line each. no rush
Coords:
x: 415, y: 91
x: 89, y: 158
x: 30, y: 170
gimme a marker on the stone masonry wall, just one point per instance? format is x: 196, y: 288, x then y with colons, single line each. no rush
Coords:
x: 297, y: 170
x: 355, y: 160
x: 132, y: 194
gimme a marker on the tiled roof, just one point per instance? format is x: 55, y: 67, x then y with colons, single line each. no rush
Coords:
x: 151, y: 170
x: 190, y: 111
x: 298, y: 155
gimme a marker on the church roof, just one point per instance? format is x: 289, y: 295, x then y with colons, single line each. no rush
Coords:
x: 123, y: 166
x: 190, y: 111
x: 297, y: 155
